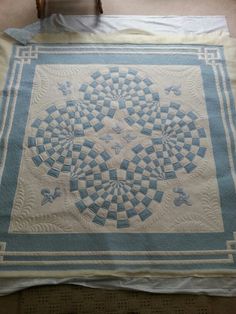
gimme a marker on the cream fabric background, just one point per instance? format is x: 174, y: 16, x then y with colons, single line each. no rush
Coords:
x: 200, y: 217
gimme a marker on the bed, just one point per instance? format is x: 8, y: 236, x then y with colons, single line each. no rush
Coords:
x: 118, y: 160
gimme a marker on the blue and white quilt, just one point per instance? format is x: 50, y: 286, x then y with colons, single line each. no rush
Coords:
x: 117, y: 159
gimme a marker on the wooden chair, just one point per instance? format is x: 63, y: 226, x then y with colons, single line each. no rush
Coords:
x: 42, y: 7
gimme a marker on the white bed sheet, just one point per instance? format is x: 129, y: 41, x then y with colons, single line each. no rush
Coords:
x: 190, y: 285
x: 113, y: 23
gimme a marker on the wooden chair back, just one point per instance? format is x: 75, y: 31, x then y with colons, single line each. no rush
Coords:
x: 42, y: 6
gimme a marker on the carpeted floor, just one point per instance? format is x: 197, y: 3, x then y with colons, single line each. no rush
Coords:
x: 71, y: 299
x: 78, y: 300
